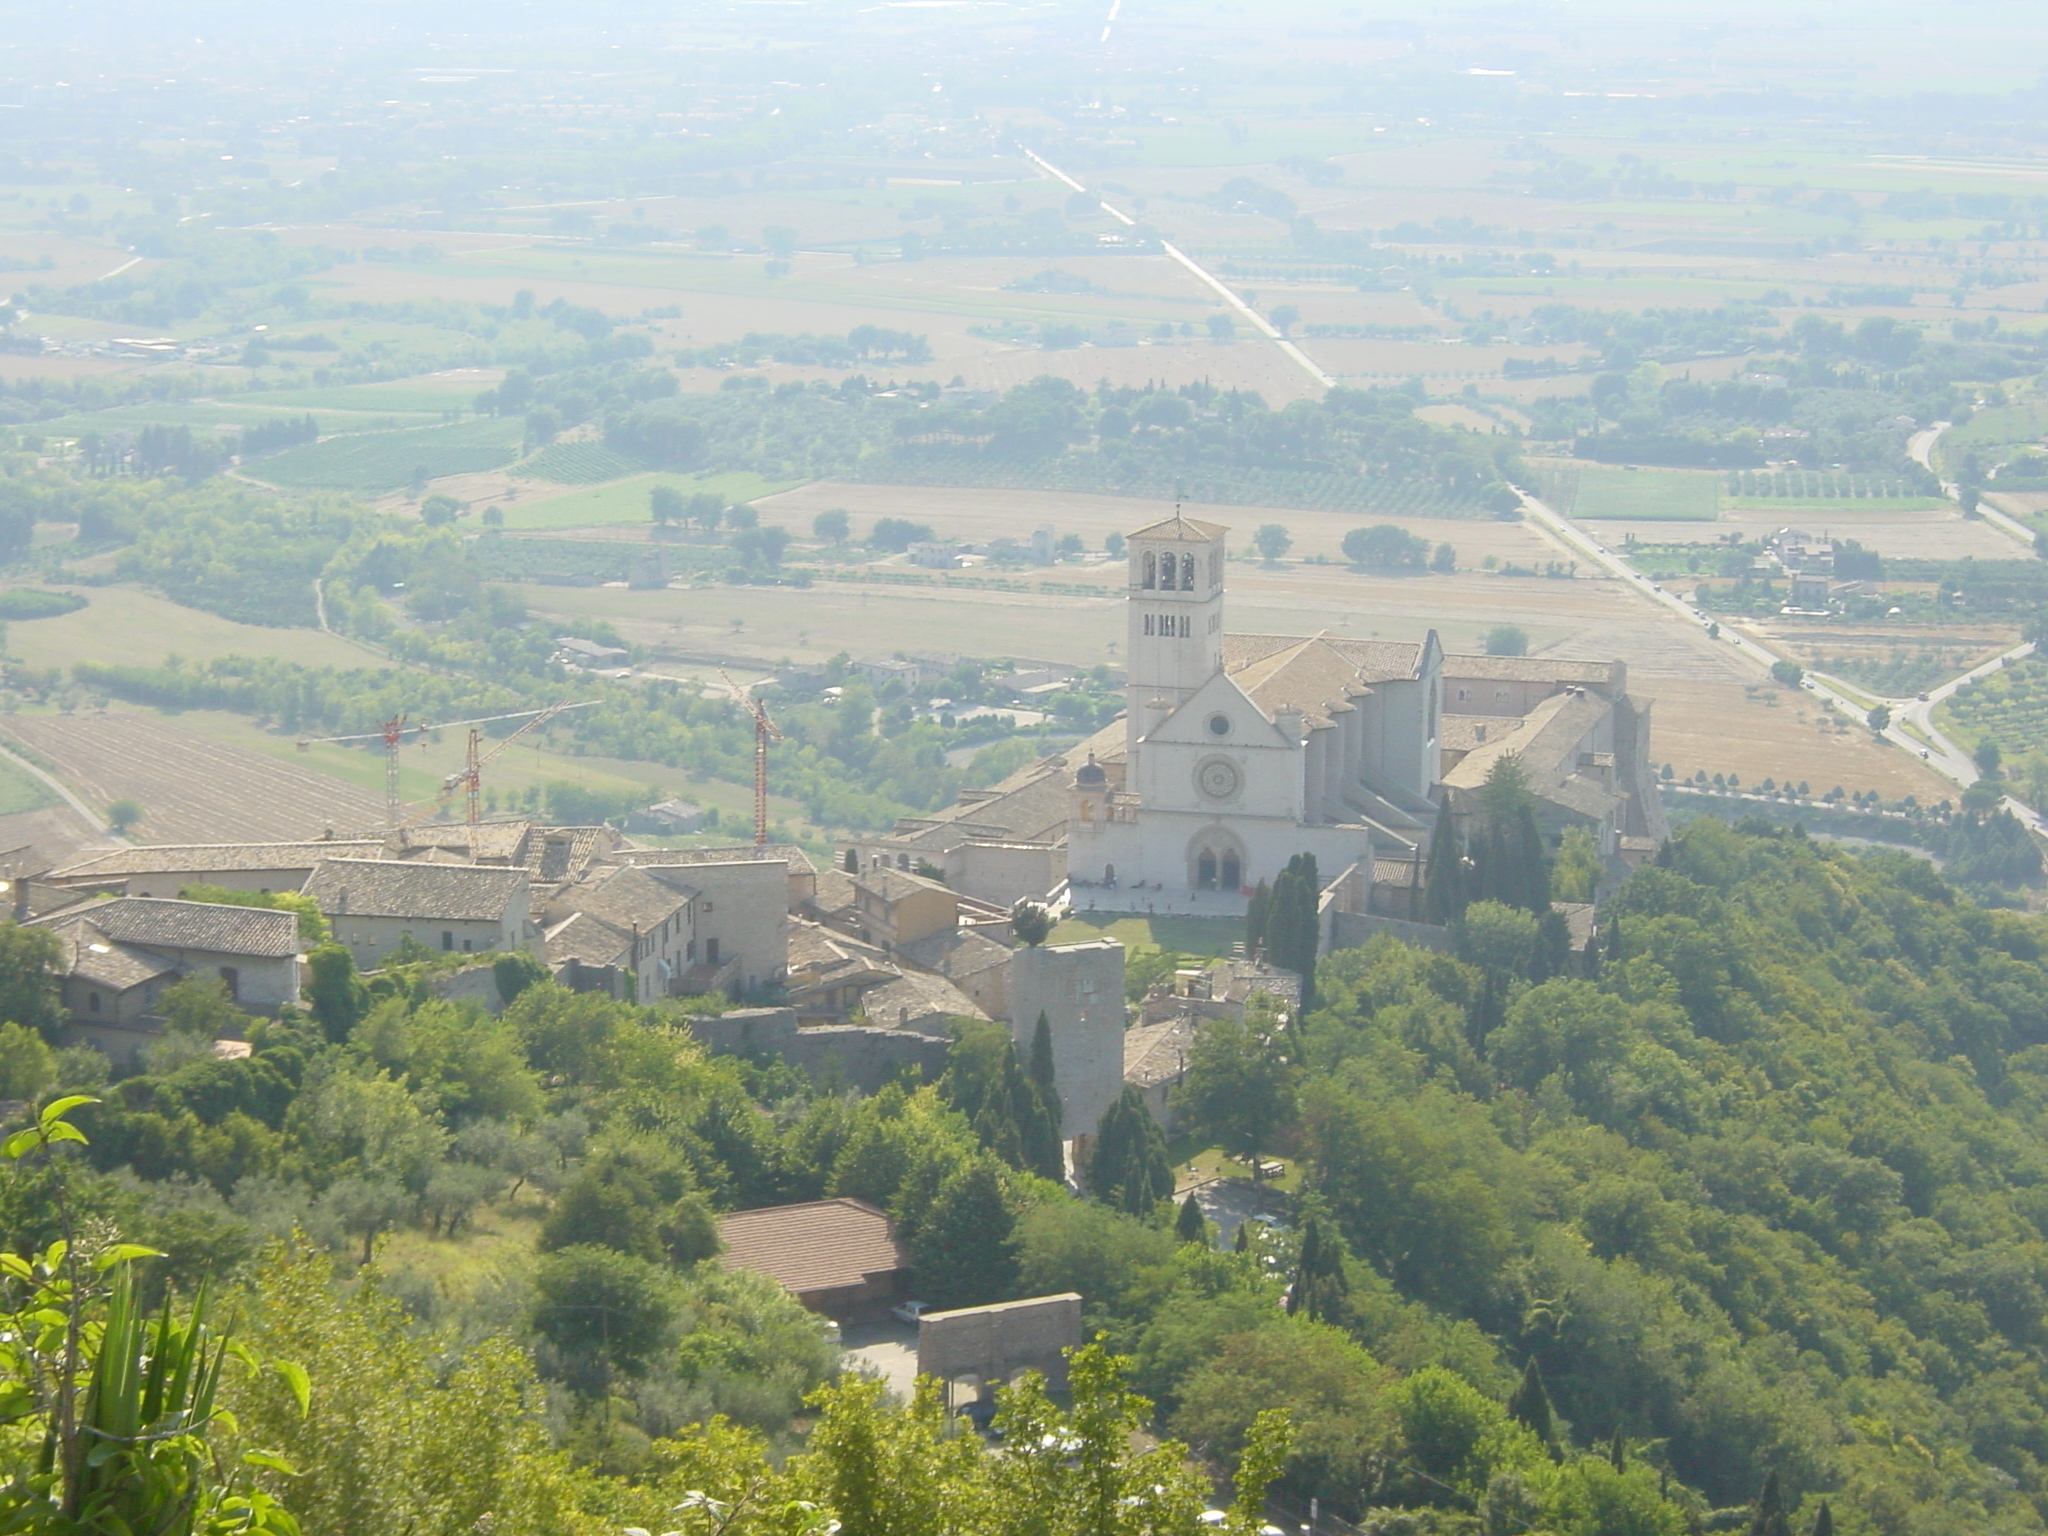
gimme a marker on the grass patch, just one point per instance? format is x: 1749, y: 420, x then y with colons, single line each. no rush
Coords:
x: 625, y: 501
x: 1647, y: 495
x: 1216, y: 936
x: 406, y: 395
x: 21, y: 790
x: 1834, y: 503
x: 371, y: 463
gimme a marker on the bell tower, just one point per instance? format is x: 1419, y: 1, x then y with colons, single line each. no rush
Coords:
x: 1174, y: 641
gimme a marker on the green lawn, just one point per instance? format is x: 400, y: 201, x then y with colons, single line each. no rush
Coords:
x: 1648, y: 495
x: 625, y: 501
x: 21, y: 790
x: 1217, y: 936
x: 371, y: 463
x: 1834, y: 503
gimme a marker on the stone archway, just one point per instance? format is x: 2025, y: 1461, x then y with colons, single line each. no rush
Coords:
x: 1215, y: 861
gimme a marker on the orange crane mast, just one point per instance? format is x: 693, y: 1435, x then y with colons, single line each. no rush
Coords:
x: 470, y: 779
x: 764, y: 732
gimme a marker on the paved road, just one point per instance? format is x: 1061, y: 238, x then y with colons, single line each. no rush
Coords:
x: 1921, y: 447
x: 1941, y: 754
x: 1202, y: 275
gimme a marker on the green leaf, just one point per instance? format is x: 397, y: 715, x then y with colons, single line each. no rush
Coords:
x: 271, y: 1460
x: 295, y: 1377
x: 63, y: 1130
x: 57, y: 1108
x: 21, y: 1143
x: 123, y: 1253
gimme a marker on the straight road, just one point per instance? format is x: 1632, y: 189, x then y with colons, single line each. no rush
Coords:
x: 1202, y: 275
x: 1940, y: 753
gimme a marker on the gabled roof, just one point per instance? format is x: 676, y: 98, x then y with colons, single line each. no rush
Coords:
x: 395, y: 888
x: 1557, y: 670
x: 958, y: 953
x: 626, y: 899
x: 176, y: 858
x: 895, y: 885
x: 1318, y: 675
x: 257, y: 932
x: 1186, y: 530
x: 819, y: 1245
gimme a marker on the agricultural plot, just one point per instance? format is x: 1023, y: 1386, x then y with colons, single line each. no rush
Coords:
x: 191, y: 788
x: 127, y: 626
x: 584, y: 463
x: 2010, y: 707
x: 370, y: 463
x: 624, y: 502
x: 1601, y: 492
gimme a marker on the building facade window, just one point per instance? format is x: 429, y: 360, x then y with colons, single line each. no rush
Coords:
x: 1151, y: 570
x: 1187, y: 573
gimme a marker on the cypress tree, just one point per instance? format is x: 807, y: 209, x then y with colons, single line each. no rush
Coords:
x: 1243, y: 1242
x: 1617, y: 1451
x: 1191, y: 1226
x: 1320, y: 1287
x: 1553, y: 956
x: 1529, y: 1404
x: 1309, y: 1262
x: 1769, y: 1518
x: 1824, y: 1522
x: 1043, y: 1076
x: 1443, y: 878
x: 1130, y: 1169
x: 1258, y: 908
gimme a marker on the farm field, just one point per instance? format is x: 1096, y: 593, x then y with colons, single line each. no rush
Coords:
x: 1591, y: 492
x: 126, y: 625
x: 369, y: 463
x: 191, y: 787
x: 2010, y: 707
x: 625, y: 501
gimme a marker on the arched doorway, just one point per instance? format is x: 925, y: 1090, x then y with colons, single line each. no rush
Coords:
x: 1215, y: 861
x: 1205, y: 870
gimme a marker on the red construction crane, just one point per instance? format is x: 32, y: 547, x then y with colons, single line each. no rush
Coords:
x: 393, y: 733
x: 764, y: 732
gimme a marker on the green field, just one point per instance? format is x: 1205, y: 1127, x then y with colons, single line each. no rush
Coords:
x: 1647, y: 495
x: 21, y: 791
x: 625, y: 501
x: 2027, y: 423
x: 1833, y: 503
x: 1219, y: 936
x: 371, y: 463
x: 584, y: 463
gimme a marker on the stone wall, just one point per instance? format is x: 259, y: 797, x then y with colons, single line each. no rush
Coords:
x: 837, y: 1055
x: 992, y: 1344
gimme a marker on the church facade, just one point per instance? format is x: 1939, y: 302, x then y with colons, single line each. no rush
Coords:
x: 1241, y: 751
x: 1237, y: 752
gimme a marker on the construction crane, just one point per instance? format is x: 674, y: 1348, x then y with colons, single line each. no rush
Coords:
x: 764, y: 732
x: 471, y: 779
x: 393, y: 733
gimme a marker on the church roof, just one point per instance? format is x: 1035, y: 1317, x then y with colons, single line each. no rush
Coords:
x: 1555, y: 670
x: 1185, y: 529
x: 1318, y: 675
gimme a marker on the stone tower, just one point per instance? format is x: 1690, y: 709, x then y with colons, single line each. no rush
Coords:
x: 1080, y: 990
x: 1175, y: 618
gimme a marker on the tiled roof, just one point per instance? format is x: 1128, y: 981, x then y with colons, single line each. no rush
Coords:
x: 587, y: 939
x: 746, y: 853
x: 896, y: 885
x: 1533, y: 669
x: 820, y: 1245
x: 1157, y: 1053
x: 916, y: 1000
x: 626, y: 898
x: 224, y: 930
x: 957, y: 953
x: 92, y: 956
x: 175, y: 858
x: 1187, y: 529
x: 394, y: 888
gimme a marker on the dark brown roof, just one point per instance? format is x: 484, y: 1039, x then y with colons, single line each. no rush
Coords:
x: 820, y: 1245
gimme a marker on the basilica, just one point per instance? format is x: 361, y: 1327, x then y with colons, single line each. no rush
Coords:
x: 1236, y: 752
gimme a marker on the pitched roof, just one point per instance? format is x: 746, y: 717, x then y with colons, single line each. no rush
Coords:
x: 395, y: 888
x: 896, y: 885
x: 958, y: 953
x: 1318, y: 675
x: 158, y: 923
x: 626, y: 898
x: 746, y: 853
x: 1158, y: 1053
x: 915, y: 999
x: 93, y: 956
x: 1558, y: 670
x: 1186, y: 529
x: 175, y: 858
x: 819, y: 1245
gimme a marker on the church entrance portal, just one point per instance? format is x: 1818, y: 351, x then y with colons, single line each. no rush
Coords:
x: 1218, y: 864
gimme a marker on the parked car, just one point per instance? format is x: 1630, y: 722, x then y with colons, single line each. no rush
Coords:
x: 909, y: 1311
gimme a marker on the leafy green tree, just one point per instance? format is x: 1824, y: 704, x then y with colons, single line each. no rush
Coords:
x: 665, y: 504
x: 1879, y: 719
x: 1293, y: 929
x: 1222, y: 328
x: 964, y: 1252
x: 31, y: 961
x: 1271, y: 540
x: 1385, y: 547
x: 1031, y: 922
x: 1236, y: 1093
x: 1769, y: 1517
x: 1529, y: 1405
x: 1285, y: 317
x: 335, y: 994
x: 1987, y: 757
x: 1787, y: 672
x: 1506, y: 640
x: 123, y: 814
x: 1319, y: 1289
x: 1443, y: 875
x: 28, y: 1067
x: 1129, y: 1168
x: 834, y: 525
x: 601, y: 1309
x: 1511, y: 863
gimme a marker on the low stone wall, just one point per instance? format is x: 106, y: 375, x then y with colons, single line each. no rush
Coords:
x: 1348, y: 930
x: 992, y: 1344
x: 855, y: 1056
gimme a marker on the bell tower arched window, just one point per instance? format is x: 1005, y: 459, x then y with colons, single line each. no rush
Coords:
x: 1187, y: 572
x: 1151, y: 570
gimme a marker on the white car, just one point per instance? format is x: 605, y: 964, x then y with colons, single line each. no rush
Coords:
x: 909, y: 1311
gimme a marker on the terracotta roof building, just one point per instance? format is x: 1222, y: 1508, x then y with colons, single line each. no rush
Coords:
x: 838, y: 1257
